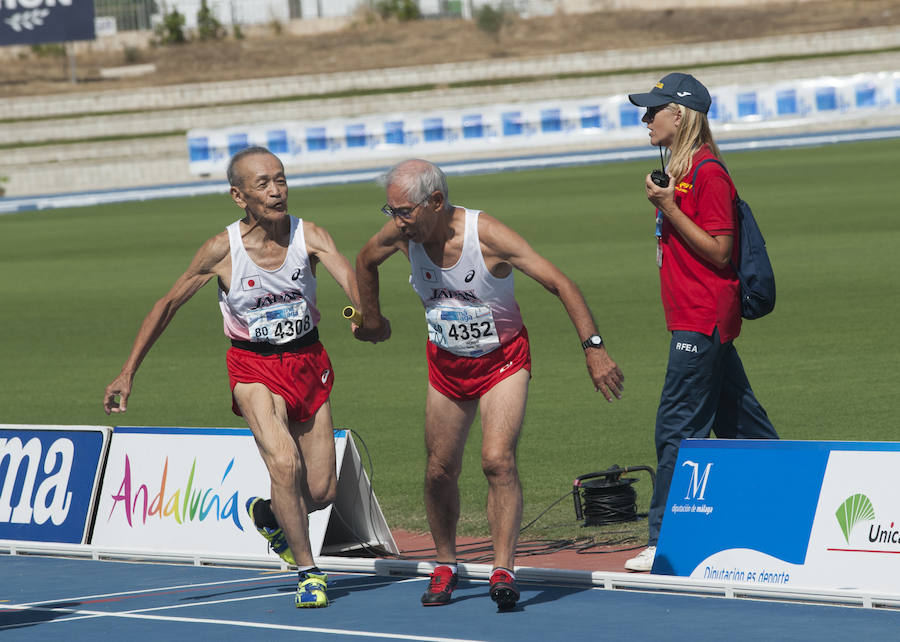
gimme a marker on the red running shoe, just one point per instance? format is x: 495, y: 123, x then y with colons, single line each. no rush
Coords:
x: 443, y: 581
x: 503, y: 589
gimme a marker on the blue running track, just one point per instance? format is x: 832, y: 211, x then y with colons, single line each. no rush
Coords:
x: 71, y: 599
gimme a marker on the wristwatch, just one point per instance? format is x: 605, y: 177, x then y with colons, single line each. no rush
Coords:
x: 593, y: 341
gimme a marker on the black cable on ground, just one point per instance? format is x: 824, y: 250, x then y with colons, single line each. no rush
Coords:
x: 609, y: 505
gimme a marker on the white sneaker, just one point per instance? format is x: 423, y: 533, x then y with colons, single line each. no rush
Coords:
x: 643, y: 561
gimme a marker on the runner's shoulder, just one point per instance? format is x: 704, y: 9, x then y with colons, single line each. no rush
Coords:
x: 213, y: 252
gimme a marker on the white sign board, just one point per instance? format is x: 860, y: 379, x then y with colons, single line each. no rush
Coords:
x: 184, y: 490
x: 784, y: 514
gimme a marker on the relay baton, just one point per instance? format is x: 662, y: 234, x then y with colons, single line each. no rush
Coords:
x: 352, y: 314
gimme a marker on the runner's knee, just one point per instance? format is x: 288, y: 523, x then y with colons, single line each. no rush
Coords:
x: 438, y: 471
x: 499, y: 465
x: 285, y: 469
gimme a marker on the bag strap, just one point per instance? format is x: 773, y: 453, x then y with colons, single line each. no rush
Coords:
x: 704, y: 162
x: 736, y: 195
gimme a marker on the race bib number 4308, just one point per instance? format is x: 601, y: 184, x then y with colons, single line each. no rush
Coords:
x: 466, y: 331
x: 281, y: 323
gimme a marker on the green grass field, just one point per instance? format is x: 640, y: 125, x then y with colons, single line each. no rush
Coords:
x: 78, y: 282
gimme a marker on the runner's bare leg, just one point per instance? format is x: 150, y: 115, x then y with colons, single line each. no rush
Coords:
x: 447, y: 424
x: 502, y: 414
x: 266, y: 414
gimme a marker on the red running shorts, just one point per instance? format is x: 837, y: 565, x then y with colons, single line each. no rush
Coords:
x: 467, y: 378
x: 303, y: 378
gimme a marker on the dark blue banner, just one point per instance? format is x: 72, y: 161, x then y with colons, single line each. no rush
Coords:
x: 47, y: 480
x: 29, y: 22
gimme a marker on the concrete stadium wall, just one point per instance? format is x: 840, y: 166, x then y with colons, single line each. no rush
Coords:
x: 219, y: 93
x: 60, y: 168
x: 176, y: 120
x: 589, y: 6
x: 143, y: 38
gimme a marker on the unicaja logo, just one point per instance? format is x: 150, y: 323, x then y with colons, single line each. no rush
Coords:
x: 855, y: 509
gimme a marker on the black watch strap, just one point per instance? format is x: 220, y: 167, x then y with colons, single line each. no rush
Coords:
x: 593, y: 341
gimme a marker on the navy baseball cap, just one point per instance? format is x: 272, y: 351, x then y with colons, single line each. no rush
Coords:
x: 679, y: 88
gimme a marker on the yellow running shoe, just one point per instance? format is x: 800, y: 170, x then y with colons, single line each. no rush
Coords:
x: 311, y: 590
x: 275, y: 536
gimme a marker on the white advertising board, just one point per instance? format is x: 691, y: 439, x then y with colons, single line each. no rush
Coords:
x: 184, y: 490
x: 821, y: 515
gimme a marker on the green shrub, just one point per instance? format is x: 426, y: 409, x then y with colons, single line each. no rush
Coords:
x: 171, y: 30
x: 490, y: 20
x: 49, y: 50
x: 208, y: 27
x: 402, y: 10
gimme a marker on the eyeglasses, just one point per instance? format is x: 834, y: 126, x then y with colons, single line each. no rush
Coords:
x: 402, y: 212
x: 651, y: 113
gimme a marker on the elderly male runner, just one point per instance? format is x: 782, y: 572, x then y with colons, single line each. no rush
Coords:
x: 477, y: 351
x: 279, y: 373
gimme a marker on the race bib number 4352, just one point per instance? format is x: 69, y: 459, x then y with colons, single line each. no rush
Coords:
x: 466, y: 331
x: 281, y: 323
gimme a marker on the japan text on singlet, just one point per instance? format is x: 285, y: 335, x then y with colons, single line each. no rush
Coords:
x: 469, y: 311
x: 270, y: 306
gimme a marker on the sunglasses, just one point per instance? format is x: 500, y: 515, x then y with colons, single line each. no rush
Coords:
x: 651, y: 113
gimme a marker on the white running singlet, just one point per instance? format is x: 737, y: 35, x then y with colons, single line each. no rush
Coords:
x: 269, y: 306
x: 469, y: 311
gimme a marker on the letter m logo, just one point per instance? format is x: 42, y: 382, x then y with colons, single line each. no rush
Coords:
x: 697, y: 486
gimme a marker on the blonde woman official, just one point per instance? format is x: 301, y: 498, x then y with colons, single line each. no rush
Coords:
x: 705, y: 389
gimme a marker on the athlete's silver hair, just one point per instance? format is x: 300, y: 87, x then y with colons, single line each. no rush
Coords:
x: 417, y: 178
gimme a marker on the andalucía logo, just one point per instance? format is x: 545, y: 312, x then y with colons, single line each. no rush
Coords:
x: 184, y: 504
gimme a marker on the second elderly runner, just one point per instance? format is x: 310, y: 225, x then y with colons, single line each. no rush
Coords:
x: 478, y: 354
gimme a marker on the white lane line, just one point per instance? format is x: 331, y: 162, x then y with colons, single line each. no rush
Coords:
x: 169, y: 607
x: 250, y: 625
x: 243, y: 598
x: 159, y: 589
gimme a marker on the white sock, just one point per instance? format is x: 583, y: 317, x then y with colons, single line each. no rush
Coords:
x: 452, y: 567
